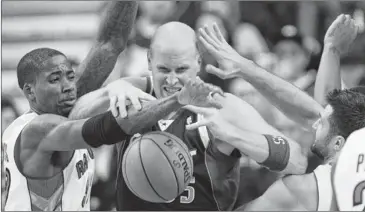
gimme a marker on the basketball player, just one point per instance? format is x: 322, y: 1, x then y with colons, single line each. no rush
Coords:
x: 174, y: 59
x: 348, y: 176
x: 47, y: 163
x: 349, y: 99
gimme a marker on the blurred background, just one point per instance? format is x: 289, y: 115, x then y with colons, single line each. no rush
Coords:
x: 284, y: 37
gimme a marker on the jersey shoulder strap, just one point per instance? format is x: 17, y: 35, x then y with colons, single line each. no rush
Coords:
x: 349, y: 174
x: 324, y: 187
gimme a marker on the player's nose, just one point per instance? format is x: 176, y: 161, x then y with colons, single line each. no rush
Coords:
x: 172, y: 79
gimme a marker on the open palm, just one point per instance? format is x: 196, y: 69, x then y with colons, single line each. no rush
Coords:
x: 227, y: 58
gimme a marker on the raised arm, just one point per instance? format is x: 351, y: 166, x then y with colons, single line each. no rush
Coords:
x: 112, y: 38
x: 338, y: 39
x: 292, y: 101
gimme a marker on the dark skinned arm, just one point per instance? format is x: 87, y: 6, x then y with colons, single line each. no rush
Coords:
x: 112, y: 38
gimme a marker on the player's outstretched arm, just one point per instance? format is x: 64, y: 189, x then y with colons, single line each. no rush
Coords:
x: 112, y: 38
x: 292, y: 101
x: 119, y: 92
x: 280, y: 196
x: 337, y: 41
x: 240, y: 125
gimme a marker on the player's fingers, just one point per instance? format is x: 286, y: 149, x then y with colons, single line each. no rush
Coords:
x: 122, y: 106
x: 196, y: 125
x: 206, y: 45
x: 146, y: 96
x: 113, y: 106
x: 216, y: 71
x: 135, y: 102
x: 218, y: 33
x: 212, y: 35
x: 208, y: 38
x: 214, y: 103
x: 200, y: 110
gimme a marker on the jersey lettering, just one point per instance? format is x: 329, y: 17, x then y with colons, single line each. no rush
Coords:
x: 360, y: 162
x: 87, y: 191
x: 358, y: 194
x: 82, y: 166
x: 7, y: 184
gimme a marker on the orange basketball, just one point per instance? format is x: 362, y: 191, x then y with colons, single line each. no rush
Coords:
x: 157, y: 166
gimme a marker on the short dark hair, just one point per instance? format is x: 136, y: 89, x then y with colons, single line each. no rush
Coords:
x: 32, y: 62
x: 348, y: 111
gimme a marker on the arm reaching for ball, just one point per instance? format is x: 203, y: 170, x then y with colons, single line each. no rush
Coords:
x: 240, y: 125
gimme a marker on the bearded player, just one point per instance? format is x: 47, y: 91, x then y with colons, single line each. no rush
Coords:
x: 47, y: 161
x: 284, y: 94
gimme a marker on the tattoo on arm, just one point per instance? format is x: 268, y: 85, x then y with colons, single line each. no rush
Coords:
x: 112, y: 38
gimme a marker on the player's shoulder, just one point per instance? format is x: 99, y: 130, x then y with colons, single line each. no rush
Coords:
x: 38, y: 128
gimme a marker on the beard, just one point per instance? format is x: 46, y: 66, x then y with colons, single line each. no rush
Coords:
x: 321, y: 151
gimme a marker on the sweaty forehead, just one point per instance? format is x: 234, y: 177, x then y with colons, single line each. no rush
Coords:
x: 58, y: 62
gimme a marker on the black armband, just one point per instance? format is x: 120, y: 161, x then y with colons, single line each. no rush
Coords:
x: 102, y: 129
x: 279, y: 152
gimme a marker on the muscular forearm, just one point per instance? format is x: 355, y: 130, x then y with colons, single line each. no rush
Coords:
x: 292, y: 101
x: 256, y: 147
x: 112, y: 38
x: 329, y: 75
x: 151, y: 112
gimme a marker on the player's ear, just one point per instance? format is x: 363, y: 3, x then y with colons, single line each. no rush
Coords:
x: 28, y: 90
x: 339, y: 142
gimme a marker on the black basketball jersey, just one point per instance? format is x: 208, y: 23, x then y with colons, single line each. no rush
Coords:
x: 216, y: 175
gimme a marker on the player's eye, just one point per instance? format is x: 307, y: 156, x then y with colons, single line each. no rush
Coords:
x: 54, y: 80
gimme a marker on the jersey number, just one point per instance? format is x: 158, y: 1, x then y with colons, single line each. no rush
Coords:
x: 358, y: 194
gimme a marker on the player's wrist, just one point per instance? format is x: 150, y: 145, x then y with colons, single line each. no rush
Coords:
x: 331, y: 48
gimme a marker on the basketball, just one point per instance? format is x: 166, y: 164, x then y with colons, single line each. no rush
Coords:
x: 157, y: 167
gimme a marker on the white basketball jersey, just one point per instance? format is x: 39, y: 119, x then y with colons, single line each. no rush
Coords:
x: 67, y: 191
x: 324, y: 187
x: 349, y: 174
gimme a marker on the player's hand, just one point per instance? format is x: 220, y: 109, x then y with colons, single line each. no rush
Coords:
x: 214, y: 42
x: 214, y: 121
x: 341, y: 34
x: 196, y: 92
x: 123, y: 94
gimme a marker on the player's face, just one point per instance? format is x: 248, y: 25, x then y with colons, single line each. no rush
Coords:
x: 171, y: 70
x: 55, y: 87
x: 327, y: 143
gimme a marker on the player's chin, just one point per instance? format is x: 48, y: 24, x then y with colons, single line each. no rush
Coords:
x: 65, y: 110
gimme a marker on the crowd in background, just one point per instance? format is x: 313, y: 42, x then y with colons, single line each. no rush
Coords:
x: 283, y: 37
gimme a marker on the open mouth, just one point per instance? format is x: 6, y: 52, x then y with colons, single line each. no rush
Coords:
x: 171, y: 90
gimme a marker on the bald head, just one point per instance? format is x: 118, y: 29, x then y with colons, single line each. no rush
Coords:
x: 173, y: 37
